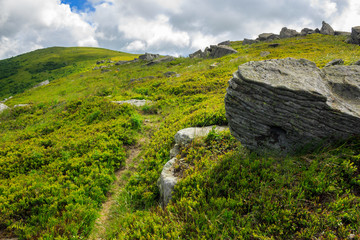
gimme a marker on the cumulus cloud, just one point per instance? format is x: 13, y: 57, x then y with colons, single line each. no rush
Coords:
x: 176, y: 27
x: 28, y: 25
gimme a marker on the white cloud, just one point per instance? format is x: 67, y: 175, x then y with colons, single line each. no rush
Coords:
x: 25, y: 25
x: 176, y: 27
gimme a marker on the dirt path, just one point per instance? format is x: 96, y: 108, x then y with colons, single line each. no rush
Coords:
x: 118, y: 184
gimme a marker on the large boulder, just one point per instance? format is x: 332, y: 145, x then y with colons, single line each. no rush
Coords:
x: 160, y: 60
x: 355, y: 35
x: 249, y: 41
x: 326, y: 29
x: 306, y: 31
x: 288, y: 33
x: 284, y: 105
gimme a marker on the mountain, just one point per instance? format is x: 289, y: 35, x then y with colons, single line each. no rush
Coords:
x: 71, y: 148
x: 20, y: 73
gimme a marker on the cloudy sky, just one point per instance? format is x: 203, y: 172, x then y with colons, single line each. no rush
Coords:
x: 174, y: 27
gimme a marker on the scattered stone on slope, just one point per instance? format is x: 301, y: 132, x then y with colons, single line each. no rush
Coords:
x: 335, y: 62
x: 274, y: 45
x: 341, y: 33
x: 149, y: 56
x: 326, y: 29
x: 161, y: 60
x: 3, y: 107
x: 249, y: 41
x: 46, y: 82
x: 170, y: 74
x: 170, y: 174
x: 134, y: 102
x: 306, y: 31
x: 288, y: 33
x: 268, y: 37
x: 100, y: 62
x: 224, y: 43
x: 355, y: 35
x: 213, y: 51
x: 119, y: 63
x: 21, y: 105
x: 286, y: 104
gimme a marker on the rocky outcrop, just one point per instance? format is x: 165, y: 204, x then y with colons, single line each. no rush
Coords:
x: 3, y: 107
x: 134, y: 102
x: 214, y: 51
x: 169, y: 176
x: 149, y: 56
x: 306, y: 31
x: 119, y: 63
x: 341, y: 33
x: 224, y: 43
x: 326, y: 29
x: 288, y: 33
x: 268, y: 37
x: 161, y: 60
x: 286, y: 104
x: 355, y: 35
x: 249, y: 41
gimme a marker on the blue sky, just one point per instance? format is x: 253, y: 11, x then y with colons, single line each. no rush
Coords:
x: 80, y: 5
x: 169, y: 27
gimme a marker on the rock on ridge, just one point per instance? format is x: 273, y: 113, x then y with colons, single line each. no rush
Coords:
x: 326, y: 29
x: 283, y: 105
x: 214, y: 51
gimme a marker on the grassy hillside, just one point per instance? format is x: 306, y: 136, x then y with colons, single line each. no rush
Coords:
x: 58, y: 157
x: 25, y: 71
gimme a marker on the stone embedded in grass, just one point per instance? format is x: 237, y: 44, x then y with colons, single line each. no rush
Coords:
x: 134, y: 102
x: 169, y: 177
x: 334, y: 62
x: 3, y: 107
x: 287, y: 104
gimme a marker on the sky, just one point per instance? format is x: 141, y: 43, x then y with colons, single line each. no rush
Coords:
x: 169, y: 27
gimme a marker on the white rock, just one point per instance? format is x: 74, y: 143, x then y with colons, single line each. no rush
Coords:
x: 3, y: 107
x: 135, y: 102
x: 187, y: 135
x: 167, y: 181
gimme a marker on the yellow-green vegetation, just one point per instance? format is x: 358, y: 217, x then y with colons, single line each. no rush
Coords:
x: 25, y: 71
x: 58, y: 157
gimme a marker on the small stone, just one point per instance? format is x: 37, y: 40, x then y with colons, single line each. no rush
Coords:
x: 264, y: 54
x: 274, y: 45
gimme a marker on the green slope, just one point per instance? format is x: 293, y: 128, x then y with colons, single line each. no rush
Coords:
x: 25, y: 71
x: 58, y: 157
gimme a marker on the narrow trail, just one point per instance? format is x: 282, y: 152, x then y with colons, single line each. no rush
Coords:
x: 100, y: 224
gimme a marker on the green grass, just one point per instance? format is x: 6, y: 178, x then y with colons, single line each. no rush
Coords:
x: 20, y: 73
x: 58, y: 156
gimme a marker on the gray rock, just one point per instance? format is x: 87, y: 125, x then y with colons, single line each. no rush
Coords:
x: 119, y: 63
x: 21, y: 105
x: 326, y: 29
x: 167, y: 182
x: 340, y: 33
x: 46, y: 82
x: 161, y: 60
x: 288, y: 33
x: 168, y: 178
x: 225, y: 43
x: 317, y: 30
x: 134, y: 102
x: 149, y: 56
x: 213, y: 51
x: 274, y: 45
x: 284, y: 105
x: 335, y: 62
x: 3, y: 107
x: 100, y: 62
x: 356, y: 63
x: 187, y: 135
x: 307, y: 31
x: 268, y: 37
x: 355, y: 35
x: 249, y: 41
